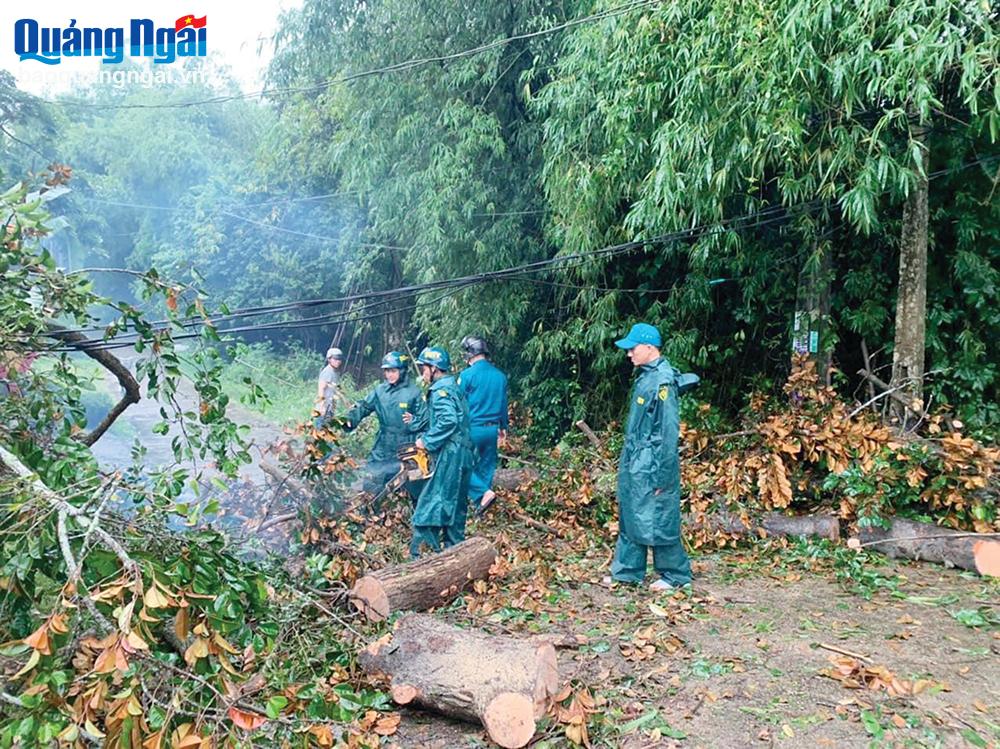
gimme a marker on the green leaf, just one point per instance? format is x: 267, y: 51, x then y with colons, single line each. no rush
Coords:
x: 974, y: 738
x: 872, y: 724
x: 639, y: 722
x: 275, y: 705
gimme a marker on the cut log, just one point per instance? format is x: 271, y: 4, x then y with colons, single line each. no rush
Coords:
x: 510, y: 479
x: 987, y: 556
x: 772, y: 524
x: 910, y: 539
x: 427, y: 582
x: 503, y: 683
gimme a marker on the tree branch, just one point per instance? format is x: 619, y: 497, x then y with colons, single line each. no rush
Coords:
x: 10, y: 699
x: 584, y: 427
x: 74, y: 573
x: 890, y: 391
x: 276, y: 520
x: 59, y: 504
x: 111, y: 363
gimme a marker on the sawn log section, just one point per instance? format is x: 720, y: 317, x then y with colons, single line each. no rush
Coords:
x: 769, y: 524
x: 914, y: 540
x: 430, y: 581
x: 502, y: 682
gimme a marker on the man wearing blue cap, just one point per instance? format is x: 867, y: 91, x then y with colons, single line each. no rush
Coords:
x: 442, y: 508
x: 649, y: 485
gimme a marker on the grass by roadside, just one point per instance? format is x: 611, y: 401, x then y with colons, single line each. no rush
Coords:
x: 288, y: 382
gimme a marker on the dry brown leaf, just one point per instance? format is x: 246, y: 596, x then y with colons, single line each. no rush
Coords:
x: 197, y: 649
x: 246, y: 721
x: 386, y: 726
x: 322, y: 734
x: 39, y: 640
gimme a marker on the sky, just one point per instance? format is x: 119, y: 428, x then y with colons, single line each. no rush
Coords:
x: 238, y: 36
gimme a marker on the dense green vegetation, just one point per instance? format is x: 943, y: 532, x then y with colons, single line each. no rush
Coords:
x: 647, y: 120
x: 723, y: 170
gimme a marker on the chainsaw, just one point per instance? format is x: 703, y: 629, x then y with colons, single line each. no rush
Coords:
x: 414, y: 465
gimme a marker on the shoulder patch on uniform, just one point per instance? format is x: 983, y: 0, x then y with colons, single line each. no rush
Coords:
x: 663, y: 393
x: 442, y: 391
x: 404, y: 405
x: 640, y: 400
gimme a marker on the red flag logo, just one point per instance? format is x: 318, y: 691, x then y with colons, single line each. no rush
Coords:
x: 184, y: 21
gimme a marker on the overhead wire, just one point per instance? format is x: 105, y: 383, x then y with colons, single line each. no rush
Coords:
x: 387, y: 69
x: 761, y: 217
x: 525, y: 269
x: 453, y: 285
x: 309, y: 235
x: 273, y: 227
x: 348, y: 316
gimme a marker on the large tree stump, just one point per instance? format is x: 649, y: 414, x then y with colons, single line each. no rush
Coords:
x: 501, y: 682
x: 427, y: 582
x: 913, y: 540
x: 771, y: 523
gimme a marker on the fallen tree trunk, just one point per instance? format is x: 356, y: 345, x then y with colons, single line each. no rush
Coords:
x: 770, y: 524
x: 910, y: 539
x: 422, y: 584
x: 501, y: 682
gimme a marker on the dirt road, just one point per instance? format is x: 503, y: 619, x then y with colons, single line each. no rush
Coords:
x: 113, y: 450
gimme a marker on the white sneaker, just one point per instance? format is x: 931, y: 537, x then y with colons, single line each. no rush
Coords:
x: 610, y: 582
x: 661, y: 586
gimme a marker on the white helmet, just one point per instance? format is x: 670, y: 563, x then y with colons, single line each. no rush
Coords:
x: 334, y: 353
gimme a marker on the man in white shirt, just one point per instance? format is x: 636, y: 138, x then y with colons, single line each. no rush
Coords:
x: 328, y: 387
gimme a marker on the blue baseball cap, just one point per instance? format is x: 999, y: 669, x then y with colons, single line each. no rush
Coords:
x: 640, y: 333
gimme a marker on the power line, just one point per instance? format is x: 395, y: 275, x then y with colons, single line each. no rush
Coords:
x: 184, y: 208
x: 763, y: 217
x: 308, y: 235
x: 272, y: 227
x: 349, y: 316
x: 394, y: 68
x: 306, y: 198
x: 535, y: 266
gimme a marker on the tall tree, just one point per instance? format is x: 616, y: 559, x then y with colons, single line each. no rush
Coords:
x: 443, y: 156
x: 701, y: 110
x: 911, y: 296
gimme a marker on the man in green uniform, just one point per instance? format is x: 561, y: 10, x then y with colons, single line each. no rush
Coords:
x: 649, y: 470
x: 439, y: 517
x: 402, y: 415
